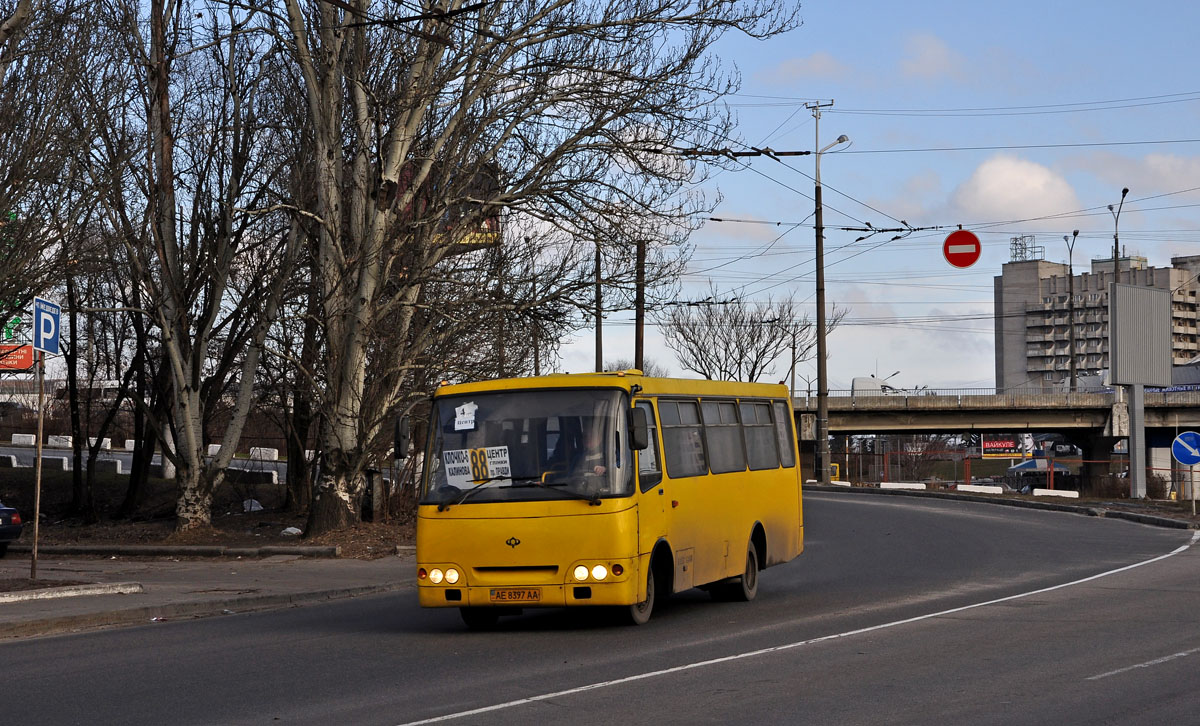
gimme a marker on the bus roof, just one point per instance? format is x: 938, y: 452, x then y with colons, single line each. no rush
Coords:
x: 624, y: 380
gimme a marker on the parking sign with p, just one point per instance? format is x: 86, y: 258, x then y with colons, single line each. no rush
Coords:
x: 46, y: 317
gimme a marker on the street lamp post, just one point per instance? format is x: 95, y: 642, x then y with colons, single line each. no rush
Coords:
x: 1116, y: 245
x: 1071, y: 301
x: 822, y: 369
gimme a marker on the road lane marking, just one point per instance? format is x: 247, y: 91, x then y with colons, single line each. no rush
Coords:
x: 1147, y: 664
x: 801, y: 643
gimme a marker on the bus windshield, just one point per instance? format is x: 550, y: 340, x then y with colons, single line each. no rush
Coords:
x: 528, y: 445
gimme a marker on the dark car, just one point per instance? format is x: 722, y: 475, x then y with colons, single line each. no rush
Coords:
x: 10, y: 527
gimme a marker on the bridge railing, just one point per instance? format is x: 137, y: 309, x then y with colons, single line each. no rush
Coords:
x: 911, y: 392
x: 970, y: 398
x: 933, y: 398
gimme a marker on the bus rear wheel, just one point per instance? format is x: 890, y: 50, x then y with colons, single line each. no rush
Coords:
x: 639, y: 613
x: 744, y: 588
x: 479, y: 618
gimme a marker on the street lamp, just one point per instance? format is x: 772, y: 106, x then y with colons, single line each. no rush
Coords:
x: 1071, y: 301
x: 1116, y: 246
x: 822, y: 372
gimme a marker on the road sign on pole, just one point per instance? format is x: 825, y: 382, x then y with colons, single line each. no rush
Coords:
x: 1186, y: 448
x: 46, y: 316
x: 962, y: 248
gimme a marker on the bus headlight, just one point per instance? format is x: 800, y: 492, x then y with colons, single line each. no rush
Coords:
x: 599, y: 572
x: 581, y: 572
x: 435, y: 576
x: 451, y: 575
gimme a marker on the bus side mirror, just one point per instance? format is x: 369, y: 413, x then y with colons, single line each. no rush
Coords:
x: 639, y: 429
x: 401, y: 439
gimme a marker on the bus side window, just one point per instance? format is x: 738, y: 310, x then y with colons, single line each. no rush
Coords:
x: 760, y: 439
x: 649, y: 468
x: 783, y: 432
x: 723, y: 436
x: 683, y: 438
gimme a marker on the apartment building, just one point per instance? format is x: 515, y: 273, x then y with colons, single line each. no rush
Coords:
x: 1033, y: 315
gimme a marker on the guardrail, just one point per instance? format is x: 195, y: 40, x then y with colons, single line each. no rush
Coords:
x: 911, y: 392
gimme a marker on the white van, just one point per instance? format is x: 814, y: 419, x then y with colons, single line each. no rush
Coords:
x: 872, y: 386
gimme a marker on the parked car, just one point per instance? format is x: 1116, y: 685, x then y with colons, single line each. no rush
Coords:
x: 10, y: 527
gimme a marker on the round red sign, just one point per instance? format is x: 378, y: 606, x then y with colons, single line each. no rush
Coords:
x: 962, y: 248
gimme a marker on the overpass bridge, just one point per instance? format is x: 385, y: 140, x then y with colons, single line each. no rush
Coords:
x: 1092, y: 420
x: 1100, y: 413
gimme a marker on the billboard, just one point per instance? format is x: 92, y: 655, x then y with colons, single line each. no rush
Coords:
x: 1139, y: 335
x: 1002, y: 446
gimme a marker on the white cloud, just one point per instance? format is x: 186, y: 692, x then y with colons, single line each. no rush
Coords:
x: 820, y: 65
x: 1151, y: 174
x: 1008, y: 188
x: 927, y: 57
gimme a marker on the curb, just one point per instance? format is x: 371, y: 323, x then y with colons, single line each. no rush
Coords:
x: 48, y: 593
x: 1150, y: 519
x: 159, y: 613
x: 182, y: 550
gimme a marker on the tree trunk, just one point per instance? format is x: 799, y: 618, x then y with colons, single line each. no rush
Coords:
x: 193, y: 510
x: 299, y: 482
x: 336, y: 503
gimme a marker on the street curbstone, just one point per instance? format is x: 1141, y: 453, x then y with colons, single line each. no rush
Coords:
x: 330, y: 551
x: 145, y: 614
x: 50, y: 593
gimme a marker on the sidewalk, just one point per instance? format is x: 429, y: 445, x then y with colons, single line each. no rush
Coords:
x: 132, y: 590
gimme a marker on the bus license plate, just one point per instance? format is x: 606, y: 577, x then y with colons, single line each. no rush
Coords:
x: 515, y: 594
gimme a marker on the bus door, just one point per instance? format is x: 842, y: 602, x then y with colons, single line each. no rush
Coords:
x: 652, y: 499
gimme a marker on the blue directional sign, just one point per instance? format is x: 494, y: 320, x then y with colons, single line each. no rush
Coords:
x: 1186, y: 448
x: 46, y: 316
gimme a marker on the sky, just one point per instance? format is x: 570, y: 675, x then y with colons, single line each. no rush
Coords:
x: 1073, y: 101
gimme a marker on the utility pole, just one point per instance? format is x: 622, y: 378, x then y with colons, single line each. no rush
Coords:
x: 1071, y: 302
x: 822, y: 366
x: 599, y: 315
x: 639, y: 304
x: 792, y: 388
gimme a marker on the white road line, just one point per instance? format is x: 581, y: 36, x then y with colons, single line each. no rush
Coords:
x: 798, y: 644
x: 1147, y: 664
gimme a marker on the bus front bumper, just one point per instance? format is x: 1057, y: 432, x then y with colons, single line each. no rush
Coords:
x: 616, y: 591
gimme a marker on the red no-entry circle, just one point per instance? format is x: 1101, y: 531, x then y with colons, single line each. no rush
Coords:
x: 962, y: 248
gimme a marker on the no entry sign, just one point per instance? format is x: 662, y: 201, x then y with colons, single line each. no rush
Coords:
x: 962, y: 248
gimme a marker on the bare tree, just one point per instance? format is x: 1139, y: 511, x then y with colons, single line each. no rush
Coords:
x: 561, y: 108
x: 726, y: 337
x: 43, y: 47
x: 650, y: 367
x: 190, y: 174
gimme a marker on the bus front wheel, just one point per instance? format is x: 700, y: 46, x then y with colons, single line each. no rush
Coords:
x: 639, y: 613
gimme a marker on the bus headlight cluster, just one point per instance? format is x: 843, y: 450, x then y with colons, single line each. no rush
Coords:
x: 437, y: 576
x: 598, y: 572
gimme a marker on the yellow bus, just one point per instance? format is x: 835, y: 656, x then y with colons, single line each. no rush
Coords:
x: 611, y: 489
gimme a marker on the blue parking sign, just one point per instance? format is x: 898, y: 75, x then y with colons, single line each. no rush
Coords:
x: 46, y: 316
x: 1186, y: 448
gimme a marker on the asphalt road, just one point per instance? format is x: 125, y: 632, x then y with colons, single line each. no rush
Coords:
x: 884, y: 619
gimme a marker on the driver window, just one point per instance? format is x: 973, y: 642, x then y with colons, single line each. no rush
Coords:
x: 649, y: 468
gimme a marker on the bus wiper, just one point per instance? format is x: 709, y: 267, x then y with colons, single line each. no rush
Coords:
x: 593, y: 500
x: 444, y: 506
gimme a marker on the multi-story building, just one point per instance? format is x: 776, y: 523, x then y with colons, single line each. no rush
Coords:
x: 1034, y: 311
